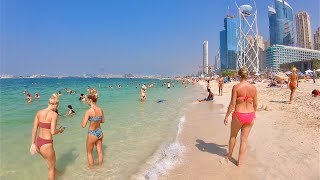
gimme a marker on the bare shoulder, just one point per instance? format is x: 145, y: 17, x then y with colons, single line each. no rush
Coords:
x: 235, y: 87
x: 53, y: 114
x: 100, y: 109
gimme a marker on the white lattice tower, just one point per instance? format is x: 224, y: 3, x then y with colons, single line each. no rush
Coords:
x: 247, y: 38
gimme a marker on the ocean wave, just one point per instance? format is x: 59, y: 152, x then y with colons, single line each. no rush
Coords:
x: 168, y: 157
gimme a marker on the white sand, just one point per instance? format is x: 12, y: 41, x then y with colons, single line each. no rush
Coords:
x: 283, y: 144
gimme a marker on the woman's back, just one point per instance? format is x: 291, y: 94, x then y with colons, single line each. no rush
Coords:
x: 245, y: 97
x: 95, y: 117
x: 45, y: 117
x: 293, y: 77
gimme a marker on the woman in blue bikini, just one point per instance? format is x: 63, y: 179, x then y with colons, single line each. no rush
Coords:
x: 95, y: 136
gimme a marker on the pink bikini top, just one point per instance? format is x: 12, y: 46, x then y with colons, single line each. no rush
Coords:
x: 245, y: 98
x: 45, y: 125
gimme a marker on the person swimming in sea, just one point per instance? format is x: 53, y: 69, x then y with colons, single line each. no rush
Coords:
x: 71, y: 112
x: 37, y: 96
x: 143, y: 93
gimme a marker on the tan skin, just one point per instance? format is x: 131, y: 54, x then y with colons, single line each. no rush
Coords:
x: 242, y: 89
x: 47, y: 115
x: 220, y: 83
x: 143, y: 95
x: 91, y: 139
x: 293, y: 78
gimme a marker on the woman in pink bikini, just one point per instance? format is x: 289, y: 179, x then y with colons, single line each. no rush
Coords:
x: 44, y: 125
x: 244, y: 103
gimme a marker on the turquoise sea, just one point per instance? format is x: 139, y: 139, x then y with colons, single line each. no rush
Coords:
x: 139, y: 138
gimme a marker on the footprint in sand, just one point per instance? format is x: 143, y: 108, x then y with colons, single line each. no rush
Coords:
x: 223, y: 160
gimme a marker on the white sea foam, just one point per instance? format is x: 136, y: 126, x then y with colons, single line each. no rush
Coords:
x: 168, y: 157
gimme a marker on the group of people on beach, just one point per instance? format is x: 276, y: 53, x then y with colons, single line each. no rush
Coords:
x: 243, y: 105
x: 45, y: 127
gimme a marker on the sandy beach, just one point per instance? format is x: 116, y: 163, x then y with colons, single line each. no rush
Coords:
x: 283, y: 144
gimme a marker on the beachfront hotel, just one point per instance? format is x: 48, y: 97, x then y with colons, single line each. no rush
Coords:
x: 228, y: 43
x: 303, y: 30
x: 281, y: 24
x: 280, y: 54
x: 205, y: 58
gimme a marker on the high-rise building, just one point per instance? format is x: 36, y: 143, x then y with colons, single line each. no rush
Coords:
x: 228, y: 43
x: 205, y: 58
x: 262, y: 53
x: 303, y: 30
x: 281, y: 24
x: 267, y: 43
x: 316, y: 39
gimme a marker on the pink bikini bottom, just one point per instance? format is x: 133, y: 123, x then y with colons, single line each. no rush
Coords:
x: 244, y: 118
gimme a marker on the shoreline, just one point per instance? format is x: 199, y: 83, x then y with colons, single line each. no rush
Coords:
x: 169, y: 154
x: 283, y: 142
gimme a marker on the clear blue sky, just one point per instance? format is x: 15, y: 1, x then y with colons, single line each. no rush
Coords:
x: 72, y: 37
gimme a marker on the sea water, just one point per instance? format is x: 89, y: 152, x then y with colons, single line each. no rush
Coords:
x: 137, y: 135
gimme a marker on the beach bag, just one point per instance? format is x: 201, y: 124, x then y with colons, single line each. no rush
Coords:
x: 315, y: 93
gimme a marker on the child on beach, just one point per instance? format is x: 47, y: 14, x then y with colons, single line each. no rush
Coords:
x: 95, y: 117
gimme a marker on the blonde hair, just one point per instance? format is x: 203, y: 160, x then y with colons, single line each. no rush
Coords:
x: 54, y: 99
x: 93, y: 95
x: 294, y: 69
x: 243, y: 72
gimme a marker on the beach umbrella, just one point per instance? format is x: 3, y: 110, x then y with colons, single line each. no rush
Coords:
x: 309, y: 71
x: 300, y: 73
x: 288, y: 72
x: 281, y: 75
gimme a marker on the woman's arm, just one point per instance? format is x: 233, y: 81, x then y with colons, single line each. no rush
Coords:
x: 34, y: 129
x: 231, y: 105
x: 85, y: 120
x: 103, y: 119
x: 53, y: 128
x: 255, y: 100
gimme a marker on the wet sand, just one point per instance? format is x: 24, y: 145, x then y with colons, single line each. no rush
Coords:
x: 283, y: 144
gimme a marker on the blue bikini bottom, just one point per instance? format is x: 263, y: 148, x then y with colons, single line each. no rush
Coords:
x: 97, y: 133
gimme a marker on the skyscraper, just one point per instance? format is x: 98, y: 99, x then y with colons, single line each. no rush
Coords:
x: 262, y: 53
x: 205, y: 57
x: 303, y: 30
x: 228, y: 43
x: 281, y: 24
x: 316, y: 39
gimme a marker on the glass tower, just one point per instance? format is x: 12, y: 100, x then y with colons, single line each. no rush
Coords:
x: 228, y: 43
x: 281, y: 24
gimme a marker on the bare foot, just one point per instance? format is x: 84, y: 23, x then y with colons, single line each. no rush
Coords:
x: 227, y: 156
x: 238, y: 164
